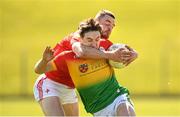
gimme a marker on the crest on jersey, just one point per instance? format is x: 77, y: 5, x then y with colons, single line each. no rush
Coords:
x: 83, y: 68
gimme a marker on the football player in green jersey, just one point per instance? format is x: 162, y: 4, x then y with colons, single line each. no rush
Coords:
x: 95, y: 80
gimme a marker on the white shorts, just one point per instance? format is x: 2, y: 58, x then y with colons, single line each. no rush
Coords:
x: 111, y: 110
x: 45, y: 87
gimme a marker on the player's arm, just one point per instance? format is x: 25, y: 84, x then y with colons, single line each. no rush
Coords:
x: 87, y: 52
x: 45, y: 64
x: 83, y: 51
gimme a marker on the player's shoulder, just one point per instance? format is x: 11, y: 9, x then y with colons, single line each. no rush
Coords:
x: 66, y: 55
x: 69, y: 39
x: 105, y: 43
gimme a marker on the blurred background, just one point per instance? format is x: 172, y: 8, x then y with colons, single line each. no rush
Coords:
x: 152, y: 27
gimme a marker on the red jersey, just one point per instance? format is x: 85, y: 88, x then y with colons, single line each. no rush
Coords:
x: 105, y: 43
x: 65, y: 44
x: 61, y: 75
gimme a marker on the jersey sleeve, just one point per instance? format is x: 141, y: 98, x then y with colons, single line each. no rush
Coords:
x: 73, y: 40
x: 60, y: 59
x: 63, y: 45
x: 105, y: 43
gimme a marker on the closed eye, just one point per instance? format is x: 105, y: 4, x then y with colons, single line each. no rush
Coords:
x: 89, y: 39
x: 108, y: 23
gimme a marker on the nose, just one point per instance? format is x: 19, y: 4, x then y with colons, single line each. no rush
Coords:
x: 94, y: 45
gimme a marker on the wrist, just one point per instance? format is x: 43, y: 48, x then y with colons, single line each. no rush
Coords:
x: 107, y: 54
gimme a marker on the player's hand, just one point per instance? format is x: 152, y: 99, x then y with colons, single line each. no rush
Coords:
x: 48, y: 54
x: 132, y: 57
x: 120, y: 55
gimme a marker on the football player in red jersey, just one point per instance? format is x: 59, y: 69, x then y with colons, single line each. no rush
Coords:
x: 89, y: 36
x: 69, y: 105
x: 106, y: 19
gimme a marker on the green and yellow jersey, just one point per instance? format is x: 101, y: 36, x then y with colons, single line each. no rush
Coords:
x: 95, y: 82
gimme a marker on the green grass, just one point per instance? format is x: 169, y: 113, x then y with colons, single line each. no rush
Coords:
x: 143, y: 107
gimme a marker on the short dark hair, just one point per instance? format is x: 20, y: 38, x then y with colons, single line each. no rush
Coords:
x: 88, y: 25
x: 102, y: 13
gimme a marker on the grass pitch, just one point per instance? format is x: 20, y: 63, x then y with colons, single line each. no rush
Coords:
x: 143, y: 107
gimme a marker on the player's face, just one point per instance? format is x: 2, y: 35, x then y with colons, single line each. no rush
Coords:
x: 107, y: 23
x: 91, y: 39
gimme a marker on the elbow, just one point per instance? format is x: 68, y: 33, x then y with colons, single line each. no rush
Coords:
x: 37, y: 71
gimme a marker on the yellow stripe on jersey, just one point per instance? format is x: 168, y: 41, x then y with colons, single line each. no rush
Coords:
x: 89, y: 72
